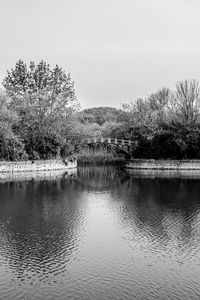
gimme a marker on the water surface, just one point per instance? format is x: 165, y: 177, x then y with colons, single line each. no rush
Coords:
x: 103, y: 233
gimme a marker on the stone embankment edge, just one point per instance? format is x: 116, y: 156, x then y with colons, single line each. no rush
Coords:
x: 39, y: 165
x: 163, y: 164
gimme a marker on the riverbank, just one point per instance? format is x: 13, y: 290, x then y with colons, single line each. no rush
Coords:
x: 37, y: 165
x: 152, y: 164
x: 36, y: 175
x: 163, y: 174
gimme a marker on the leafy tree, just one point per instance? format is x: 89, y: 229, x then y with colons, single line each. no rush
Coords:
x: 35, y: 78
x: 115, y: 129
x: 45, y: 101
x: 100, y: 115
x: 148, y: 111
x: 109, y: 127
x: 11, y: 146
x: 89, y: 130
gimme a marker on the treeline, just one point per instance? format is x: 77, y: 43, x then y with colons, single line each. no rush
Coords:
x: 39, y: 112
x: 165, y: 124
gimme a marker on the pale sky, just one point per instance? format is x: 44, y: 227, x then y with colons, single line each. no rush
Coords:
x: 115, y: 50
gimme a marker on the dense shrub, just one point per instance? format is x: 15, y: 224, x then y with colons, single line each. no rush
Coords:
x: 11, y: 148
x: 168, y: 144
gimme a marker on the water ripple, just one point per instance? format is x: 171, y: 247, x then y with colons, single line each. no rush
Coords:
x: 100, y: 235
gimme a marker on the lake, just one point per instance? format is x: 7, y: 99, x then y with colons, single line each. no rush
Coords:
x: 100, y: 233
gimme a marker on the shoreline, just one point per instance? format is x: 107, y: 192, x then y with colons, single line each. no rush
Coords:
x: 36, y: 165
x: 36, y: 175
x: 163, y: 174
x: 161, y: 164
x: 134, y: 164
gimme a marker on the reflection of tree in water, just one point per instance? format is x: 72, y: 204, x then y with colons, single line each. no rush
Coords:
x: 39, y: 223
x: 162, y: 208
x: 159, y: 207
x: 101, y: 178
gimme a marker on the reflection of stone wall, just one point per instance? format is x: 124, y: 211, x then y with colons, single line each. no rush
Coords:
x: 164, y: 164
x: 42, y: 165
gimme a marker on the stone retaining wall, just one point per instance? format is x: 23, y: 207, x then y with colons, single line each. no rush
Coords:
x: 36, y: 175
x: 37, y: 165
x: 163, y: 164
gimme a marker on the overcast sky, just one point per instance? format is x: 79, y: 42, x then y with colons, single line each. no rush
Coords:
x: 115, y: 50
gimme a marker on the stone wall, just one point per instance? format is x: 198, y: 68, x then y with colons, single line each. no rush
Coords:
x: 163, y: 164
x: 36, y: 175
x: 37, y: 165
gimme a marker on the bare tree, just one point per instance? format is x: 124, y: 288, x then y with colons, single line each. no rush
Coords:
x: 158, y: 105
x: 186, y: 101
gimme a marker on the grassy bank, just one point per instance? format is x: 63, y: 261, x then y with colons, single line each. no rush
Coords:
x: 99, y: 159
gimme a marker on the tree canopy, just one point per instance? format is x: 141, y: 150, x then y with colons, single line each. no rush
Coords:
x: 39, y: 77
x: 45, y: 102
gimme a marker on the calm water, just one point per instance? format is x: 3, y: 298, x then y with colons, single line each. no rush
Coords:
x: 102, y: 233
